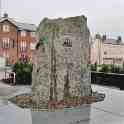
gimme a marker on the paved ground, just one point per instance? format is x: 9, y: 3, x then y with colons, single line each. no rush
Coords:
x: 9, y: 91
x: 10, y: 113
x: 110, y: 111
x: 6, y: 90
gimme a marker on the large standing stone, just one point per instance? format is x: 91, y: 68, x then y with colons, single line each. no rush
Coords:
x: 65, y: 50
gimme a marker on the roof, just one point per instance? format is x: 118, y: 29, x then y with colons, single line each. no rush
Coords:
x: 26, y: 26
x: 20, y: 25
x: 113, y: 41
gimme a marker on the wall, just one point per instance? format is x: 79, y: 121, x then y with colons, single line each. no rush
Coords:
x: 97, y: 52
x: 15, y: 35
x: 107, y: 53
x: 114, y: 53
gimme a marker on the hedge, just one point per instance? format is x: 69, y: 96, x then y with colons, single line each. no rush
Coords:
x: 23, y: 71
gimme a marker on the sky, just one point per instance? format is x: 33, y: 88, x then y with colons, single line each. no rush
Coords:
x: 104, y: 16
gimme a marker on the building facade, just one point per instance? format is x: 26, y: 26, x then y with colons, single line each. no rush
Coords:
x: 17, y: 40
x: 107, y: 51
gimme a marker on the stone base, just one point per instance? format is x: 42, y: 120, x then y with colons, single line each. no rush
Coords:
x: 25, y: 101
x: 78, y: 115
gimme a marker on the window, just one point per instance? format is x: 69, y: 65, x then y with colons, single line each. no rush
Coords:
x: 67, y: 43
x: 6, y: 28
x: 13, y: 43
x: 23, y: 33
x: 32, y: 46
x: 23, y: 46
x: 5, y: 54
x: 6, y: 43
x: 33, y: 34
x: 105, y: 53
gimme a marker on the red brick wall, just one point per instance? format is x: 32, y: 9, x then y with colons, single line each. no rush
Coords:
x: 14, y: 34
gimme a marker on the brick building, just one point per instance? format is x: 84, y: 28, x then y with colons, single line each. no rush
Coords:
x: 16, y: 39
x: 107, y: 51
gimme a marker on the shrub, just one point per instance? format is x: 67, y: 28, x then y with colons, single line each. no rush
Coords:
x: 94, y: 67
x: 23, y: 72
x: 111, y: 69
x: 104, y: 68
x: 115, y: 69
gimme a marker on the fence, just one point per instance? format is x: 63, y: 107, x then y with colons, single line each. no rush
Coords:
x: 108, y: 79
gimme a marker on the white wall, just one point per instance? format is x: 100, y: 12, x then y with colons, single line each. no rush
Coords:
x: 2, y: 62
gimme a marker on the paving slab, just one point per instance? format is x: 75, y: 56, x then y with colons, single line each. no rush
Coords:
x: 114, y: 100
x: 11, y: 114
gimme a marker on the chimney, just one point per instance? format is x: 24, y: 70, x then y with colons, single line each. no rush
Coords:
x: 104, y: 37
x: 119, y: 39
x: 5, y: 15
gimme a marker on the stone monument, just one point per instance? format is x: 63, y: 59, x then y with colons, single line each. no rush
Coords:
x: 62, y: 61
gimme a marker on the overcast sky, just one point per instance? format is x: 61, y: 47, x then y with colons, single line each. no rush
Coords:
x: 104, y: 16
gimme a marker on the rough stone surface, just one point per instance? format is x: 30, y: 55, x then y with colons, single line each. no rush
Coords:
x: 68, y: 39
